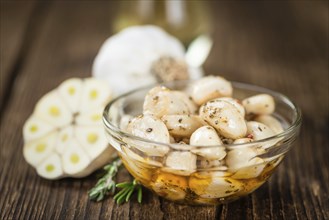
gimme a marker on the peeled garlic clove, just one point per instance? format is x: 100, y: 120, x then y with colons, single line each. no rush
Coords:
x: 225, y: 118
x: 51, y: 168
x: 235, y: 102
x: 242, y: 141
x: 170, y: 186
x: 258, y: 130
x: 240, y: 157
x: 182, y: 125
x: 207, y: 164
x: 245, y: 163
x: 150, y: 128
x: 211, y: 153
x: 253, y: 170
x: 271, y: 122
x: 35, y: 128
x: 125, y: 120
x: 215, y: 186
x: 64, y: 136
x: 52, y: 110
x: 161, y: 101
x: 37, y: 151
x: 259, y: 104
x: 192, y: 107
x: 207, y: 136
x: 180, y: 163
x: 70, y: 91
x: 210, y: 87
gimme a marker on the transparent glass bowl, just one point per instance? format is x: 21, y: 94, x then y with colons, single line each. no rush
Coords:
x: 212, y: 182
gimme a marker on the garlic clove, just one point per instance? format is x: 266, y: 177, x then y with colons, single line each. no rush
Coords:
x: 182, y: 125
x: 75, y: 160
x: 253, y: 170
x: 124, y: 122
x: 170, y: 186
x: 70, y: 91
x: 210, y: 87
x: 242, y: 141
x: 225, y: 118
x: 259, y: 104
x: 259, y: 131
x: 51, y: 109
x: 235, y: 102
x: 271, y: 122
x: 51, y: 168
x: 180, y: 163
x: 215, y: 186
x: 38, y: 150
x: 35, y: 128
x: 149, y: 127
x: 192, y: 107
x: 94, y: 93
x: 240, y: 157
x: 92, y: 139
x: 91, y: 118
x: 65, y: 135
x: 160, y: 101
x: 207, y: 136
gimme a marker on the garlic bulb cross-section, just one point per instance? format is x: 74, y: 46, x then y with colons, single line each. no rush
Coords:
x: 64, y: 136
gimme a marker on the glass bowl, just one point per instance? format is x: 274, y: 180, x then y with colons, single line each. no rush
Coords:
x: 212, y: 182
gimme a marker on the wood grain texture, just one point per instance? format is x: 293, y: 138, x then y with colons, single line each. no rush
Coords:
x: 14, y: 24
x: 275, y: 44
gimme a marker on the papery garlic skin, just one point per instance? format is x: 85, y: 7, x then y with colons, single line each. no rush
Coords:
x: 125, y: 60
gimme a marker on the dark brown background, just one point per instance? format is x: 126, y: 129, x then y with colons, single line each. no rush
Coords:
x: 276, y: 44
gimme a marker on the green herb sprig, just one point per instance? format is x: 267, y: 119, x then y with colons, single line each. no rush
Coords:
x: 106, y: 185
x: 128, y: 188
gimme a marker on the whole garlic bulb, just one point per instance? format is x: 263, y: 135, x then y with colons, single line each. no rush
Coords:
x: 139, y: 56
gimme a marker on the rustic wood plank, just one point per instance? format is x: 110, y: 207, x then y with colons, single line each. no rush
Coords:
x: 48, y: 63
x: 277, y: 53
x: 279, y: 45
x: 14, y: 24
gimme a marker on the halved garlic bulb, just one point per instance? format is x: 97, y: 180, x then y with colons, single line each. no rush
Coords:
x: 64, y: 136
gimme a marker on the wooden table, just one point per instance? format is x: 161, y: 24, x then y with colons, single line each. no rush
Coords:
x: 275, y: 44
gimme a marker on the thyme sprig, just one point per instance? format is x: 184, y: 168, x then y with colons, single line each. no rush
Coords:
x: 106, y: 185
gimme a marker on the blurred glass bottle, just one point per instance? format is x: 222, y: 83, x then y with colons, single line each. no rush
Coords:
x: 188, y: 20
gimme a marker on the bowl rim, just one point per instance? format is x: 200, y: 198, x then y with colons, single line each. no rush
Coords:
x: 294, y: 126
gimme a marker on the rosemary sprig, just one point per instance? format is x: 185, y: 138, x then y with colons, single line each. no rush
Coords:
x: 106, y: 185
x: 128, y: 188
